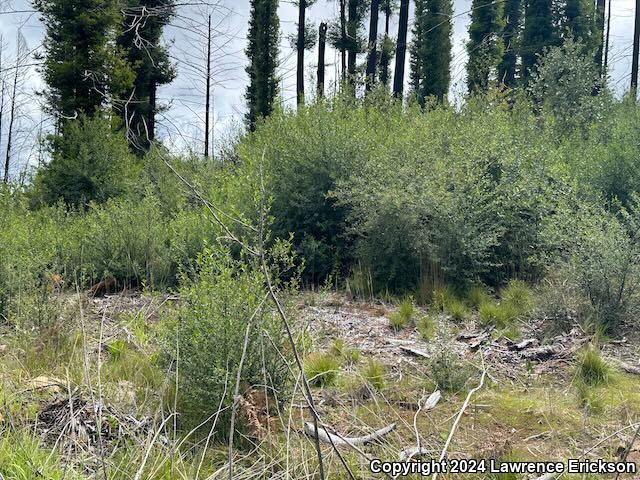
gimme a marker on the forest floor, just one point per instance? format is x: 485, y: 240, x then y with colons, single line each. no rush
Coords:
x: 529, y: 406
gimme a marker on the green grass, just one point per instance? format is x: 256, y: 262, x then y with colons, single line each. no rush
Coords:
x: 442, y: 296
x: 477, y: 296
x: 518, y: 295
x: 499, y: 315
x: 321, y: 369
x: 404, y: 315
x: 348, y: 354
x: 456, y: 309
x: 426, y: 326
x: 591, y: 368
x: 374, y: 373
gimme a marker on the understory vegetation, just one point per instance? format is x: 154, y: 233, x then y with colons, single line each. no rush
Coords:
x: 494, y: 214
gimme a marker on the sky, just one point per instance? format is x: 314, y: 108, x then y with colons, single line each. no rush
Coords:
x: 181, y: 123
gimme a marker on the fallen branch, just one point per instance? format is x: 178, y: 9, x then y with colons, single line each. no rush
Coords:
x: 627, y: 367
x: 457, y: 420
x: 409, y: 453
x: 414, y: 351
x: 338, y: 440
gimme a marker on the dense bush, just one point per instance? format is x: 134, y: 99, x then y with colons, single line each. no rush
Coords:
x: 205, y: 341
x: 89, y: 163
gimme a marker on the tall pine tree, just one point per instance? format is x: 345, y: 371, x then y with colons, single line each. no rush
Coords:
x: 81, y: 68
x: 264, y: 34
x: 485, y: 46
x: 140, y: 40
x: 430, y: 51
x: 538, y: 34
x: 510, y: 38
x: 387, y: 7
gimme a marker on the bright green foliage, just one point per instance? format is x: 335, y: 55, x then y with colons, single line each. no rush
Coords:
x: 321, y: 369
x: 149, y: 60
x: 33, y: 246
x: 81, y: 67
x: 486, y: 45
x: 430, y: 51
x: 21, y: 455
x: 207, y: 337
x: 127, y: 240
x: 264, y: 35
x: 426, y: 326
x: 510, y: 37
x: 591, y: 368
x: 89, y: 163
x: 500, y: 315
x: 403, y: 316
x: 563, y: 83
x: 539, y: 33
x: 374, y: 372
x: 518, y: 295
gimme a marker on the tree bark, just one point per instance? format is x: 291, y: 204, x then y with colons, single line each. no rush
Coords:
x: 322, y: 40
x: 302, y: 8
x: 636, y: 44
x: 373, y: 38
x: 12, y: 116
x: 401, y: 49
x: 207, y: 106
x: 600, y: 23
x: 343, y: 35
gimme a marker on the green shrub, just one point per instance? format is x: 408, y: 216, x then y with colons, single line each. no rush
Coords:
x: 426, y: 326
x: 404, y: 314
x: 126, y: 239
x: 206, y: 337
x: 591, y: 368
x: 603, y: 259
x: 448, y: 373
x: 321, y: 369
x: 374, y: 372
x: 90, y: 163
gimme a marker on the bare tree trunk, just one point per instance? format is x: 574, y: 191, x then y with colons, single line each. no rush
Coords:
x: 6, y: 169
x: 302, y: 9
x: 207, y: 100
x: 322, y: 40
x: 600, y: 15
x: 343, y: 36
x: 606, y: 44
x: 373, y: 39
x: 636, y: 44
x: 12, y: 117
x: 352, y: 33
x: 401, y: 49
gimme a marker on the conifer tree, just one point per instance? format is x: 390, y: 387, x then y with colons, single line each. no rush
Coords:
x: 578, y: 21
x: 264, y: 33
x: 140, y: 40
x: 81, y: 68
x: 485, y: 46
x: 387, y: 7
x: 538, y: 33
x: 510, y: 38
x: 430, y: 51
